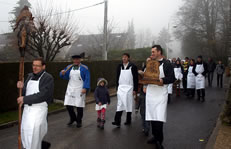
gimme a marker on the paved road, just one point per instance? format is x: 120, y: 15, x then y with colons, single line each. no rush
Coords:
x: 188, y: 122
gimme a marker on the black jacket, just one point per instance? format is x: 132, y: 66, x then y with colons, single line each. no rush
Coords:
x: 168, y: 72
x: 205, y: 68
x: 211, y: 66
x: 46, y: 88
x: 134, y: 73
x: 102, y: 95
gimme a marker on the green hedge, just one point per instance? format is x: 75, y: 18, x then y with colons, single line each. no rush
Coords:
x: 226, y: 114
x: 9, y: 77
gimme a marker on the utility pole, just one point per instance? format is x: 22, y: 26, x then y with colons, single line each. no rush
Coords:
x: 105, y: 31
x: 167, y: 42
x: 229, y: 36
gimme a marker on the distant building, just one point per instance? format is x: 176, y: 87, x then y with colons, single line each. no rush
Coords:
x: 92, y: 45
x: 5, y: 40
x: 8, y: 47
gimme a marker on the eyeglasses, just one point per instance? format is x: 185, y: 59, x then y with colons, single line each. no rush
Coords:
x: 36, y: 65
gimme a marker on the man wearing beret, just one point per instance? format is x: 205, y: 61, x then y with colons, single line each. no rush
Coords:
x: 200, y: 70
x: 78, y: 84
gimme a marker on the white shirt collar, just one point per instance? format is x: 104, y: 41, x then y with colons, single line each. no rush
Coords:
x: 125, y: 65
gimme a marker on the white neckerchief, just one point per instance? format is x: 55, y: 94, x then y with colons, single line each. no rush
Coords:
x: 125, y: 65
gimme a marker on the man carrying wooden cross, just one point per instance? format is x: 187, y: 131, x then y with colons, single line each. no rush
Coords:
x: 37, y: 93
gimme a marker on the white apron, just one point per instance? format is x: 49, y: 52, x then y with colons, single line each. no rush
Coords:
x: 98, y: 107
x: 156, y: 100
x: 178, y: 73
x: 200, y: 79
x: 34, y: 119
x: 125, y: 91
x: 170, y: 88
x: 181, y: 85
x: 73, y: 96
x: 191, y: 82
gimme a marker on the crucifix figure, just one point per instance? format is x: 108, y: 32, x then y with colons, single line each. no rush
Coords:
x: 25, y: 25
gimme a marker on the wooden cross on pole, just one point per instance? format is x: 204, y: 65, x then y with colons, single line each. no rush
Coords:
x: 23, y: 20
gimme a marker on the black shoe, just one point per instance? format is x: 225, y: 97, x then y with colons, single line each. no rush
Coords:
x: 152, y: 141
x: 45, y: 145
x: 159, y: 145
x: 79, y: 125
x: 70, y: 123
x: 102, y: 124
x: 98, y: 122
x: 146, y: 133
x: 203, y: 99
x: 127, y: 123
x: 115, y: 123
x: 169, y: 100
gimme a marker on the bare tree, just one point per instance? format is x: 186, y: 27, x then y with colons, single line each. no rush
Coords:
x: 53, y: 32
x: 131, y: 37
x: 207, y: 21
x: 115, y: 41
x: 144, y: 38
x: 164, y: 38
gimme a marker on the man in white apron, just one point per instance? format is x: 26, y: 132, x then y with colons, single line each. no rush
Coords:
x: 200, y: 70
x: 79, y: 82
x: 191, y: 82
x: 178, y: 71
x: 127, y: 86
x: 37, y: 93
x: 157, y: 97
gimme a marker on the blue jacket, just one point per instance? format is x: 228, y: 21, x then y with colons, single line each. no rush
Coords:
x: 84, y: 72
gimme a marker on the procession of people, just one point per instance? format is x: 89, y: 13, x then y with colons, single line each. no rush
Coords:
x: 153, y: 98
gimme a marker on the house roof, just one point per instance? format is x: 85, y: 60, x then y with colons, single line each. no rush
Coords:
x: 87, y: 43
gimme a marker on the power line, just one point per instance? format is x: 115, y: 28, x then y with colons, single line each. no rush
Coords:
x: 77, y: 9
x: 71, y: 10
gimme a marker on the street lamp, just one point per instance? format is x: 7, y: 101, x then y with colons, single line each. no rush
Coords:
x: 168, y: 39
x: 229, y: 36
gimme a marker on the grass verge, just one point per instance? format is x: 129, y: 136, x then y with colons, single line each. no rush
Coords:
x: 13, y: 115
x: 226, y: 114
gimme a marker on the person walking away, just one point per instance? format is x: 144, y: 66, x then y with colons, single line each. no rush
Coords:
x: 173, y: 62
x: 78, y: 84
x: 127, y: 86
x: 185, y: 67
x: 102, y: 100
x: 200, y: 70
x: 191, y: 82
x: 157, y: 97
x: 211, y: 68
x: 141, y: 105
x: 178, y: 71
x: 220, y: 69
x: 37, y: 93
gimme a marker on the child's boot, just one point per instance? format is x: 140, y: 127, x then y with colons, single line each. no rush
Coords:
x: 102, y: 124
x: 98, y: 122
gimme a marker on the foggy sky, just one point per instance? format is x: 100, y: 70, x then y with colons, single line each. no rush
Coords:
x: 152, y: 14
x: 146, y: 14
